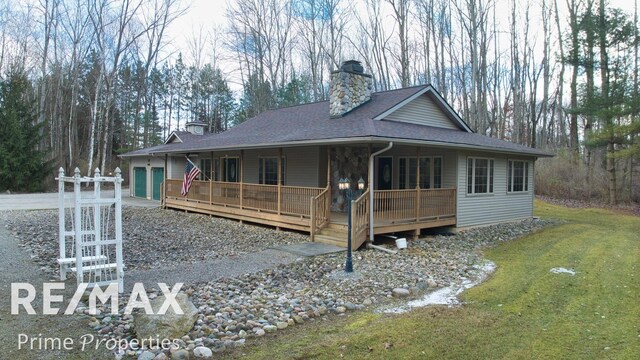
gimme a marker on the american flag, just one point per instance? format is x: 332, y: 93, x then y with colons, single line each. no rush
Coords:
x: 190, y: 173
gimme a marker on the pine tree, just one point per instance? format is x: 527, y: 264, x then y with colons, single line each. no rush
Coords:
x: 22, y: 165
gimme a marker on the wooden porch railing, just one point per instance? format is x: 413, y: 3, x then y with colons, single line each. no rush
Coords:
x: 359, y: 220
x: 413, y: 205
x: 320, y: 210
x: 293, y: 200
x: 296, y: 200
x: 437, y: 203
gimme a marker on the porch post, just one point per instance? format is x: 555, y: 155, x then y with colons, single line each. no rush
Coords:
x: 163, y: 200
x: 279, y: 179
x: 328, y: 167
x: 241, y: 175
x: 211, y: 180
x: 417, y: 184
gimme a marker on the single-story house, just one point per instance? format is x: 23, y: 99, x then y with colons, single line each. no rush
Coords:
x: 422, y: 165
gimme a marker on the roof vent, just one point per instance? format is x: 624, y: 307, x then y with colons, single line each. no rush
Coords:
x: 195, y: 127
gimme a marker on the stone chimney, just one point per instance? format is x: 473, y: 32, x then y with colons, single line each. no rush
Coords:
x: 350, y: 87
x: 195, y: 127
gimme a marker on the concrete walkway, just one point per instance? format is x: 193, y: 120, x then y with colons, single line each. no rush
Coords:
x: 226, y: 267
x: 310, y: 249
x: 45, y: 201
x: 197, y: 272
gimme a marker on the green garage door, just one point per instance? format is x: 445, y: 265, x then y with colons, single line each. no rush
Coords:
x: 140, y: 182
x: 158, y: 178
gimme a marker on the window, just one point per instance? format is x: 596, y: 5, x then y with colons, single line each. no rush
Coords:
x: 268, y: 171
x: 518, y: 176
x: 205, y: 169
x: 430, y: 172
x: 479, y: 176
x: 230, y: 169
x: 216, y: 170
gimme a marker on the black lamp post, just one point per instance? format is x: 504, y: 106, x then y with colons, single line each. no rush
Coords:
x: 345, y: 185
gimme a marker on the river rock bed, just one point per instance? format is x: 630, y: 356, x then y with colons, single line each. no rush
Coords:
x: 152, y: 238
x: 230, y: 311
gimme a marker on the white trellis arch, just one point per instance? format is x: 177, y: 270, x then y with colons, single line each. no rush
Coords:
x: 90, y: 230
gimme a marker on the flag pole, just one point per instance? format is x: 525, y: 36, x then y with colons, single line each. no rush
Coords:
x: 194, y: 165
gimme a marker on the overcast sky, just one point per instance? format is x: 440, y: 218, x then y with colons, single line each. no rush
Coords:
x: 210, y: 14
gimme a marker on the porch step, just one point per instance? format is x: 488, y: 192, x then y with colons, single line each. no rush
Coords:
x: 326, y: 239
x: 336, y: 226
x: 335, y: 233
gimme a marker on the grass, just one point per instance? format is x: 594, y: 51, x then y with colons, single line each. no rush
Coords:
x: 522, y: 312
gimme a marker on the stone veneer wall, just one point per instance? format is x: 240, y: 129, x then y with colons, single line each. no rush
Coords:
x: 348, y: 90
x: 351, y: 162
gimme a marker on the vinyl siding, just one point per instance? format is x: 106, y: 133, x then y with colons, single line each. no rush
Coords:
x: 302, y: 165
x: 493, y: 208
x: 176, y: 168
x: 422, y: 111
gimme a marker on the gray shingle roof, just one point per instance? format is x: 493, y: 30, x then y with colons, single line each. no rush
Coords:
x: 298, y: 125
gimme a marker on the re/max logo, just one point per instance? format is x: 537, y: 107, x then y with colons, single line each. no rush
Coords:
x: 137, y: 300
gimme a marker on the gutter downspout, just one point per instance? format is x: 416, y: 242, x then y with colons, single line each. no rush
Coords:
x: 372, y: 189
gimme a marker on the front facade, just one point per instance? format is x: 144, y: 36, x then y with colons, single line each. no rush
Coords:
x: 421, y: 164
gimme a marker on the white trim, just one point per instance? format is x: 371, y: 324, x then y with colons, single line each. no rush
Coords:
x: 448, y: 110
x: 491, y: 188
x: 525, y: 177
x: 173, y: 133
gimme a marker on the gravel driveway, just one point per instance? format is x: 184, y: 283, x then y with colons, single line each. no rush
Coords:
x: 17, y: 266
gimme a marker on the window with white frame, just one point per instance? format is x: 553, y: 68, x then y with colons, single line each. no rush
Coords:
x: 430, y: 172
x: 268, y: 171
x: 479, y: 176
x: 518, y: 176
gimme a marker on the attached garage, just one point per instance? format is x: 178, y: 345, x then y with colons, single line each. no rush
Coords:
x: 146, y: 175
x: 140, y: 182
x: 157, y: 177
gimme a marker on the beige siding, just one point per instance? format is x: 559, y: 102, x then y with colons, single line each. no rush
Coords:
x: 302, y: 164
x: 497, y: 207
x: 176, y: 167
x: 303, y: 167
x: 422, y: 111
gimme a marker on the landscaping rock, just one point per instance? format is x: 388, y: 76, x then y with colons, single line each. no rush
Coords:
x: 167, y: 326
x: 202, y: 352
x: 146, y: 355
x: 181, y: 354
x: 400, y: 292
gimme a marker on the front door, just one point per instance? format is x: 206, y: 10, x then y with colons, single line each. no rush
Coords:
x: 385, y: 173
x: 157, y: 179
x: 140, y: 182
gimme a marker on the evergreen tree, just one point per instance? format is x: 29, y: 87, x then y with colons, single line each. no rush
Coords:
x: 22, y: 165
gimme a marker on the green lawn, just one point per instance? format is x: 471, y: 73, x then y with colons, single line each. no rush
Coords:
x: 522, y: 312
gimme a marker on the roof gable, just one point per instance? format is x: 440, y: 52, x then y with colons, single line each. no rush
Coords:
x: 425, y: 107
x: 173, y: 138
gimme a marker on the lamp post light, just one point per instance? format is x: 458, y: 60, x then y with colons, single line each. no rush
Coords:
x: 350, y: 195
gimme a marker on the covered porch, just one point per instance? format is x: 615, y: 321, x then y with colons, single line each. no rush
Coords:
x: 321, y: 210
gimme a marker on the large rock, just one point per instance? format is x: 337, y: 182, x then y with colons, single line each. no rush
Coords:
x: 400, y: 292
x: 168, y: 326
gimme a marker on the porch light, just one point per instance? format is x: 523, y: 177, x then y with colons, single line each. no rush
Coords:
x: 350, y: 195
x: 344, y: 184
